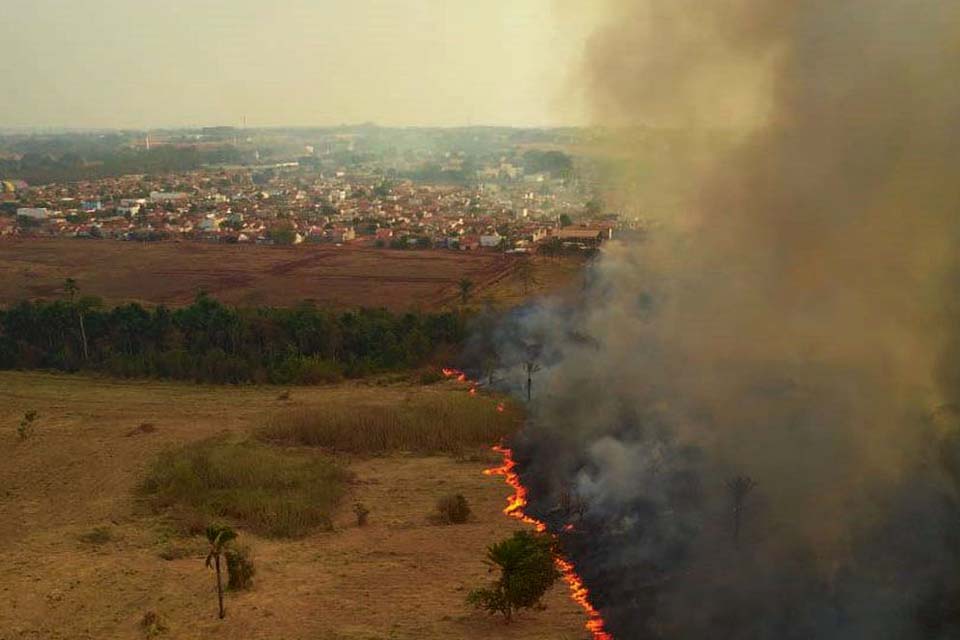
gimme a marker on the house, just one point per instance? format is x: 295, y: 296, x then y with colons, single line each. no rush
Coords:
x: 34, y: 213
x: 491, y: 240
x: 583, y: 236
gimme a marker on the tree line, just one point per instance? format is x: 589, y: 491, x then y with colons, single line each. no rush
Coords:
x: 211, y: 342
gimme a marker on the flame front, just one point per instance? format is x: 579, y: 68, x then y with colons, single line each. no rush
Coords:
x: 515, y: 509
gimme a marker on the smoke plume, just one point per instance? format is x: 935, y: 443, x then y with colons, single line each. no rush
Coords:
x: 790, y: 322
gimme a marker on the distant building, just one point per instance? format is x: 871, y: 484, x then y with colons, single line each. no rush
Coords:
x: 584, y: 236
x: 491, y: 240
x: 167, y: 196
x: 33, y: 213
x: 89, y: 206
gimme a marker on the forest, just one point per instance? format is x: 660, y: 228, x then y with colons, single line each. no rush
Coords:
x: 208, y: 341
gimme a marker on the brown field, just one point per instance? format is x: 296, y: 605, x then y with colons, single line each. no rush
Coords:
x: 401, y: 577
x: 172, y: 273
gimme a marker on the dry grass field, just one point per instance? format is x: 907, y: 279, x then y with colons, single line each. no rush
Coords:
x: 172, y: 273
x: 83, y: 558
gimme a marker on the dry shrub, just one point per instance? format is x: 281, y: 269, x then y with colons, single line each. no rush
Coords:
x: 152, y: 624
x: 97, y: 536
x: 275, y: 493
x: 430, y: 423
x: 143, y: 427
x: 240, y: 569
x: 453, y: 509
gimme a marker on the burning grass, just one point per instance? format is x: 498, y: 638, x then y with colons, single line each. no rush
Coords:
x: 427, y: 423
x: 271, y: 492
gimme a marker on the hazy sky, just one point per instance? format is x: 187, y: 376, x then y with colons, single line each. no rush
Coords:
x: 136, y: 63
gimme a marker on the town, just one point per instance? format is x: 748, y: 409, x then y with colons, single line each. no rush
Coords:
x: 503, y: 200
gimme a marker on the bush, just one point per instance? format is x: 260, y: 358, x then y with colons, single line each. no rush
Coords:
x: 432, y: 423
x: 25, y: 428
x: 430, y: 376
x: 362, y: 513
x: 274, y: 493
x: 453, y: 509
x: 98, y: 536
x: 240, y: 569
x: 527, y: 571
x: 152, y: 624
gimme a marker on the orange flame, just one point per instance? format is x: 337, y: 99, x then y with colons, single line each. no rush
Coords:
x: 515, y: 509
x: 454, y: 373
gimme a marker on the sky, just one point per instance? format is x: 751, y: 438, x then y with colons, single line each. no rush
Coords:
x: 130, y: 63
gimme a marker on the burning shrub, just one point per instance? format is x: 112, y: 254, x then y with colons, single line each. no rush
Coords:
x: 240, y: 569
x: 453, y: 509
x: 275, y: 493
x: 527, y: 571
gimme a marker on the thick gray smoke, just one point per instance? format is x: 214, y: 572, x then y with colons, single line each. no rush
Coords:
x: 791, y: 323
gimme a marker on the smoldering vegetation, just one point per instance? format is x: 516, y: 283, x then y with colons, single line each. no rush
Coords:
x: 747, y: 426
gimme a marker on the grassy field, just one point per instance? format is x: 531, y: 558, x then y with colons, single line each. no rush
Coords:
x: 427, y: 423
x: 85, y: 559
x: 173, y: 272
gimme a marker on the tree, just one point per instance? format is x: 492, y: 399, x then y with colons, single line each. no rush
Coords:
x: 490, y: 364
x: 527, y: 571
x: 531, y: 366
x: 565, y: 220
x: 526, y: 274
x: 466, y: 288
x: 219, y: 536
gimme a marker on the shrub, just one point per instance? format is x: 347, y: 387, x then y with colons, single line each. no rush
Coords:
x: 25, y: 428
x: 152, y: 624
x: 432, y: 423
x: 453, y: 509
x: 362, y: 514
x: 97, y: 535
x: 527, y: 571
x: 430, y: 376
x: 274, y: 493
x: 240, y: 569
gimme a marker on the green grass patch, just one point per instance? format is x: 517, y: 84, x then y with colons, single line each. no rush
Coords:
x: 271, y: 492
x: 426, y: 423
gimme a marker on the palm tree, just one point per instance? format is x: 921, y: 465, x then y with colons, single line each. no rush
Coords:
x: 218, y: 536
x: 466, y: 287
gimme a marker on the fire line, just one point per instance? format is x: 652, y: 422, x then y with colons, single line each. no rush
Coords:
x: 515, y: 509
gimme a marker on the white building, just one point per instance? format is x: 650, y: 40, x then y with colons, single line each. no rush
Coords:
x: 33, y: 213
x: 167, y: 196
x: 492, y: 240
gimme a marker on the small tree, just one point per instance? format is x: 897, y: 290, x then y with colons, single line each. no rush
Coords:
x: 489, y: 367
x: 527, y: 571
x: 739, y: 487
x: 219, y: 537
x: 71, y: 288
x: 466, y: 289
x: 526, y: 274
x: 531, y: 366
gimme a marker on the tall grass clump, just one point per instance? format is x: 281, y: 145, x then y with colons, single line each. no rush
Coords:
x: 432, y: 423
x: 274, y: 493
